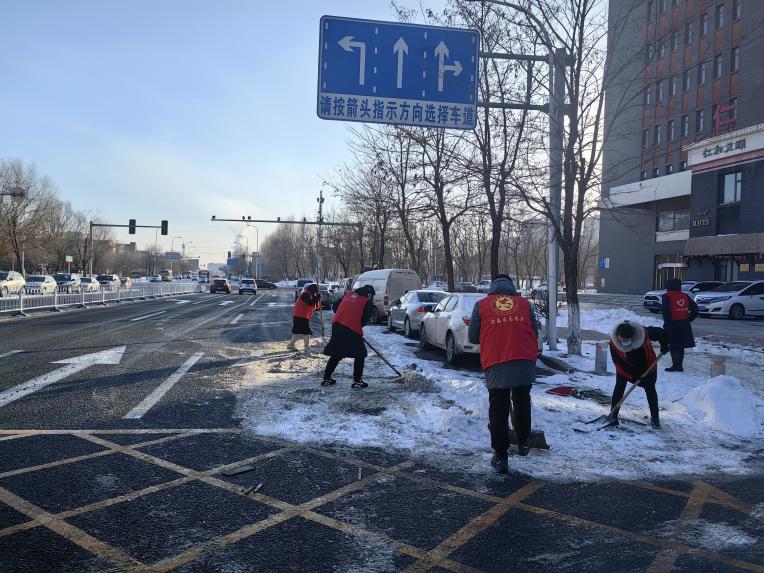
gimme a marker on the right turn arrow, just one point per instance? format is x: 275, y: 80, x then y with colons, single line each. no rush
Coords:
x: 441, y: 51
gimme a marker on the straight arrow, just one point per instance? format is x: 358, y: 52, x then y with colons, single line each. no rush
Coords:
x: 348, y: 44
x: 401, y: 48
x: 73, y: 366
x: 225, y: 302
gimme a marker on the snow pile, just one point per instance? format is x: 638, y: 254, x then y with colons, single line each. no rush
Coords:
x: 706, y: 534
x: 605, y: 319
x: 723, y: 403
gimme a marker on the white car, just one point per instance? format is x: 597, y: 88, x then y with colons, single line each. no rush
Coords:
x: 652, y: 300
x: 437, y: 285
x: 41, y: 284
x: 735, y: 300
x: 484, y: 285
x: 89, y: 284
x: 447, y: 324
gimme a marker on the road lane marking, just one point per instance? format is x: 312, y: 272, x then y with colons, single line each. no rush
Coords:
x: 147, y: 316
x: 235, y: 320
x: 206, y: 300
x: 150, y: 400
x: 225, y: 302
x: 10, y: 353
x: 73, y: 365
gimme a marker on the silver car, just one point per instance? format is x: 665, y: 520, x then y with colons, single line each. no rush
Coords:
x: 407, y: 312
x: 109, y: 282
x: 67, y: 282
x: 41, y: 284
x: 89, y: 284
x: 11, y: 282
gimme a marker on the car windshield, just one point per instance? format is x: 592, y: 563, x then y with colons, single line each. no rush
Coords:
x: 62, y: 277
x: 431, y: 296
x: 247, y: 282
x: 733, y: 286
x: 103, y: 278
x: 219, y: 281
x: 87, y: 280
x: 688, y: 285
x: 35, y: 279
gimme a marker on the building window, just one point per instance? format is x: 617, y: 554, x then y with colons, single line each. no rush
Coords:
x: 701, y: 73
x: 658, y: 134
x: 674, y: 40
x: 648, y: 95
x: 659, y: 92
x: 718, y: 66
x: 733, y: 109
x: 688, y: 32
x: 661, y: 50
x: 650, y: 10
x: 737, y: 9
x: 662, y: 6
x: 657, y: 172
x: 671, y: 131
x: 687, y: 80
x: 735, y: 60
x: 674, y: 3
x: 703, y: 25
x: 674, y: 86
x: 649, y: 53
x: 719, y: 20
x: 700, y: 121
x: 732, y: 187
x: 685, y: 125
x: 669, y: 169
x: 683, y: 165
x: 642, y: 175
x: 645, y: 137
x: 667, y: 221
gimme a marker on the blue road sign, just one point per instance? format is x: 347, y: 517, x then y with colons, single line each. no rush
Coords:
x: 387, y: 72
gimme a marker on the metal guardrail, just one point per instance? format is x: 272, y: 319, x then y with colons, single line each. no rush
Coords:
x: 20, y: 303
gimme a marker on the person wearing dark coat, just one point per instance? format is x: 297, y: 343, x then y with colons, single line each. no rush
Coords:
x: 679, y: 310
x: 304, y: 307
x: 632, y: 352
x: 351, y: 313
x: 504, y: 325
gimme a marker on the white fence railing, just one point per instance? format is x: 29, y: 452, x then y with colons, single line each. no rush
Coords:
x: 20, y: 303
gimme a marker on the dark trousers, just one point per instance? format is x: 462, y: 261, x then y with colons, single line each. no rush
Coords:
x: 677, y: 357
x: 335, y: 360
x: 649, y: 387
x: 498, y: 416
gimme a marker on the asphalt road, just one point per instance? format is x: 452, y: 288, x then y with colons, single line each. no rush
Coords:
x: 118, y: 430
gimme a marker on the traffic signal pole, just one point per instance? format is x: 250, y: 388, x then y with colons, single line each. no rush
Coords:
x: 131, y: 226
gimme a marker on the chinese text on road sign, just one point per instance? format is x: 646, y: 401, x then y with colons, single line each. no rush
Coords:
x: 386, y: 72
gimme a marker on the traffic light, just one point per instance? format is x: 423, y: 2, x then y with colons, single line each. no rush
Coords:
x: 131, y: 226
x: 164, y: 227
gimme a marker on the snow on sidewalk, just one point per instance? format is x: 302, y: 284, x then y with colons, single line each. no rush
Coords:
x: 709, y: 427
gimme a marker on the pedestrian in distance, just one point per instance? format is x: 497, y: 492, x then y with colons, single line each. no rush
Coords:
x: 505, y: 326
x: 679, y: 310
x: 351, y: 313
x: 304, y: 307
x: 631, y: 348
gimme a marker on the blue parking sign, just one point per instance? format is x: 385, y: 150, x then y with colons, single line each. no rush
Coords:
x: 403, y: 74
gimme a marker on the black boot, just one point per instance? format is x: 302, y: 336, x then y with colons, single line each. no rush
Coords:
x: 524, y: 448
x: 655, y: 422
x: 328, y: 382
x: 500, y: 463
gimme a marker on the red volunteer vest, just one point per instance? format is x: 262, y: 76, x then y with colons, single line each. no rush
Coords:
x: 505, y: 330
x: 303, y: 309
x: 679, y: 305
x: 350, y: 311
x: 649, y: 352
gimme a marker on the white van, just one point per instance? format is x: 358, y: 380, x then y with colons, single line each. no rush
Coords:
x: 389, y: 285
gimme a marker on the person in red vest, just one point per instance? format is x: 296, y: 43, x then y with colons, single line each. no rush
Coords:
x: 304, y: 307
x: 679, y: 310
x: 632, y: 352
x: 504, y: 325
x: 351, y: 313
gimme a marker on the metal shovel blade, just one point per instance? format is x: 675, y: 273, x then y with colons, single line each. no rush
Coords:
x: 537, y: 439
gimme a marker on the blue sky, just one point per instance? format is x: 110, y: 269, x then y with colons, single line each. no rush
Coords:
x: 173, y: 109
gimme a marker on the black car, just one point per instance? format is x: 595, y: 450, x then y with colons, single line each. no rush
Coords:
x: 265, y: 284
x: 220, y: 285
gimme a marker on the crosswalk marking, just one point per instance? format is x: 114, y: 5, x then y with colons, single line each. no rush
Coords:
x: 235, y: 320
x: 147, y: 316
x: 150, y: 400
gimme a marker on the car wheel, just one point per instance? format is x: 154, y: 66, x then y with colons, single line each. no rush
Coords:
x: 390, y: 326
x: 452, y: 355
x: 374, y: 316
x: 407, y: 328
x: 737, y: 311
x: 423, y: 343
x: 4, y: 292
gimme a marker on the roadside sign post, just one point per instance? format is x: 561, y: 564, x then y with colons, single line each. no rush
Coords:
x: 69, y: 259
x: 399, y: 74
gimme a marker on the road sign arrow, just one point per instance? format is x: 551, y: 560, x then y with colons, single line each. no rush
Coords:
x: 401, y: 48
x: 73, y: 366
x: 348, y: 44
x: 225, y: 302
x: 441, y: 52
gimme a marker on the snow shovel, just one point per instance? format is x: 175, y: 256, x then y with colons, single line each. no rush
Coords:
x: 611, y: 418
x: 536, y: 440
x: 385, y: 360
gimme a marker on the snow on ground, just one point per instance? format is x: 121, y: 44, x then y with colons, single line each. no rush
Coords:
x: 604, y: 319
x: 440, y: 413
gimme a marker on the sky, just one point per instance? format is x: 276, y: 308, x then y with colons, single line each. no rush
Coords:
x: 173, y: 109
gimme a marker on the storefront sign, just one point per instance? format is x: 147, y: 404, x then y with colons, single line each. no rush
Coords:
x: 701, y: 218
x: 758, y: 268
x: 744, y: 267
x: 724, y: 149
x: 721, y: 148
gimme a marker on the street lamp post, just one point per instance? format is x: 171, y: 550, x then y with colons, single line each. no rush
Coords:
x: 172, y: 250
x: 257, y: 249
x: 17, y: 192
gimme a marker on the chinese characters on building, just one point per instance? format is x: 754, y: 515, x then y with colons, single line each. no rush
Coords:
x: 723, y: 149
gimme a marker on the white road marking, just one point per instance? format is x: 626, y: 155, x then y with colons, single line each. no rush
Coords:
x: 225, y: 302
x: 150, y: 400
x: 207, y: 299
x: 147, y: 316
x: 235, y: 320
x: 73, y: 365
x: 10, y: 353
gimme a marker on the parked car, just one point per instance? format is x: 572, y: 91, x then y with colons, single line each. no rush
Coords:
x: 220, y: 285
x: 389, y: 285
x: 438, y: 285
x: 261, y: 283
x: 89, y: 284
x: 11, y: 282
x: 484, y: 285
x: 652, y: 299
x: 299, y: 285
x: 67, y: 282
x: 465, y: 286
x: 327, y: 296
x: 155, y: 279
x: 247, y: 285
x: 735, y: 300
x: 446, y: 326
x: 108, y: 282
x: 126, y: 282
x: 407, y: 312
x: 41, y: 284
